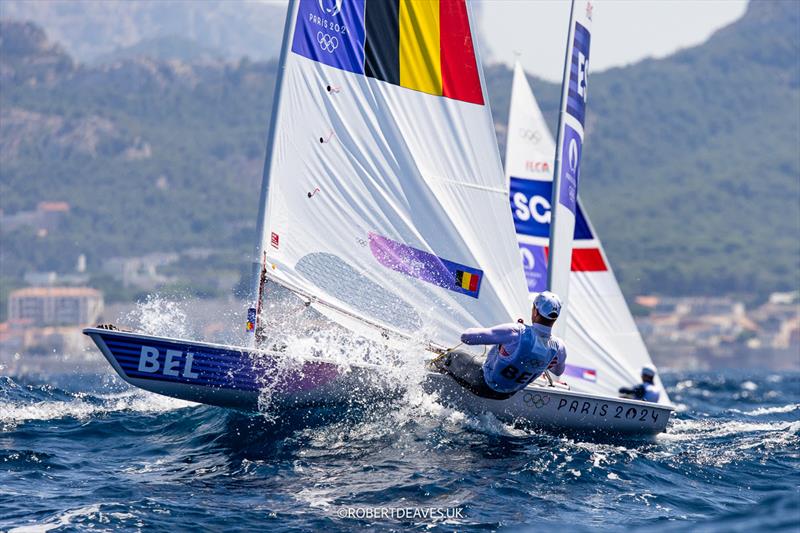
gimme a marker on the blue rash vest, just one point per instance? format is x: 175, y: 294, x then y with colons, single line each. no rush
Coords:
x: 519, y: 355
x: 651, y: 394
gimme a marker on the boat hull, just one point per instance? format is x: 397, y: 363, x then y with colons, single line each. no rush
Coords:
x: 558, y: 409
x: 235, y: 377
x: 247, y: 379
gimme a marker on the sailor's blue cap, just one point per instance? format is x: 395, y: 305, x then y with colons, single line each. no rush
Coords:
x: 647, y: 371
x: 548, y: 304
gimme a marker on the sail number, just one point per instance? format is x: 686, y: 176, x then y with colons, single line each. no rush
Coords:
x: 536, y: 207
x: 620, y: 412
x: 174, y: 363
x: 512, y: 372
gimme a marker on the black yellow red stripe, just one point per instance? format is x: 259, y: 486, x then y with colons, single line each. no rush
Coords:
x: 425, y: 45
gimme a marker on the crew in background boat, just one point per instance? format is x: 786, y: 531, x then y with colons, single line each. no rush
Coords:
x: 519, y: 353
x: 646, y: 390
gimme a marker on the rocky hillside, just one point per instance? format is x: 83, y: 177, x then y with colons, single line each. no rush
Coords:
x: 691, y: 171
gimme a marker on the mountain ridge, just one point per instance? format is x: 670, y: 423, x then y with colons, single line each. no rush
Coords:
x: 673, y: 184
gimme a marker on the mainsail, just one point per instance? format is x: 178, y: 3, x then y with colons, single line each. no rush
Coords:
x: 384, y: 194
x: 605, y: 350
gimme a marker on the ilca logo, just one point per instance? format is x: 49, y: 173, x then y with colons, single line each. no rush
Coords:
x: 532, y: 136
x: 536, y: 399
x: 537, y: 166
x: 331, y: 7
x: 326, y: 42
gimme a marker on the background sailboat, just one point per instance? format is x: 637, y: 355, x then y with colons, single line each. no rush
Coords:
x: 605, y: 348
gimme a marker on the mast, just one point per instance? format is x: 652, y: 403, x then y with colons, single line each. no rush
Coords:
x: 569, y: 142
x: 258, y: 270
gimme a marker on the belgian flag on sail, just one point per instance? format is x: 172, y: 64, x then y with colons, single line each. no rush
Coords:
x: 424, y: 45
x: 467, y: 280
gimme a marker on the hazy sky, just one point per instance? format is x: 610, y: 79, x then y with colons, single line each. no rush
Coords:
x: 623, y: 31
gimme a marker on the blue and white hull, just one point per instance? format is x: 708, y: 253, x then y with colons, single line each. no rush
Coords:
x: 541, y: 405
x: 231, y: 376
x: 241, y: 378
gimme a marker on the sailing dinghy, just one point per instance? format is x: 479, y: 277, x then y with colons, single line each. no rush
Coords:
x: 385, y: 208
x: 605, y: 349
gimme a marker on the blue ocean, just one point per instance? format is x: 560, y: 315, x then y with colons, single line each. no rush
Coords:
x: 83, y: 450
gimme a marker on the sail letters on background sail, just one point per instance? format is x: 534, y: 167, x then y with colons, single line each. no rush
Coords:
x: 424, y: 45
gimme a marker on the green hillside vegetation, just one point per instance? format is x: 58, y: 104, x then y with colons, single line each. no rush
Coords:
x: 166, y: 48
x: 691, y: 171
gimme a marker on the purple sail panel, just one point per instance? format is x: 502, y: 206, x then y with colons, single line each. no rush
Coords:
x: 587, y: 374
x: 579, y: 74
x: 426, y: 266
x: 331, y: 32
x: 570, y: 168
x: 534, y: 264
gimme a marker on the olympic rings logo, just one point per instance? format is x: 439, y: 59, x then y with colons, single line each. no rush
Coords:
x: 537, y: 400
x: 327, y: 43
x: 531, y: 136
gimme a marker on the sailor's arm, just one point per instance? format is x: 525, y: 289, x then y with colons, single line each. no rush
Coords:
x: 636, y: 393
x: 501, y: 334
x: 559, y: 362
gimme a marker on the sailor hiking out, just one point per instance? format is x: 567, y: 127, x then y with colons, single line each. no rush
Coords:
x: 646, y: 390
x: 519, y: 353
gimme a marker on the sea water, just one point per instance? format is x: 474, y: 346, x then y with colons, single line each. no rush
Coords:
x: 80, y: 449
x: 91, y: 452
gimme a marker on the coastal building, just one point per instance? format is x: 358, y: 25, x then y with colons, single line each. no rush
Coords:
x: 706, y: 333
x: 55, y: 306
x: 46, y: 217
x: 140, y: 271
x: 43, y: 320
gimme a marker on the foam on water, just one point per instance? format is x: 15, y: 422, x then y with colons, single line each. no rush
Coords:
x: 159, y: 316
x: 145, y: 457
x: 761, y: 411
x: 84, y: 406
x: 98, y: 454
x: 62, y: 520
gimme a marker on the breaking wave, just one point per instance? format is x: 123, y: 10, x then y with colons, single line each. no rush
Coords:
x: 92, y: 452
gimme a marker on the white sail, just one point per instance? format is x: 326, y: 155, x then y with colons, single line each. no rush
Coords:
x: 384, y: 191
x: 605, y: 348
